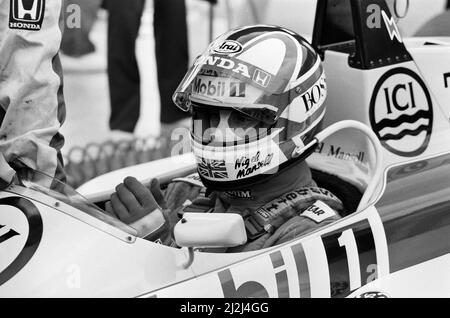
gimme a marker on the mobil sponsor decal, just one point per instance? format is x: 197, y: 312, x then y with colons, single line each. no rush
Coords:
x: 218, y: 87
x: 401, y: 112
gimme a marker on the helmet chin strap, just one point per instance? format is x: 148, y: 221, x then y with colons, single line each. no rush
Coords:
x: 305, y: 151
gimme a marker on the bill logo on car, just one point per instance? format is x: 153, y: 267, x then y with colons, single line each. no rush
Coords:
x: 333, y: 262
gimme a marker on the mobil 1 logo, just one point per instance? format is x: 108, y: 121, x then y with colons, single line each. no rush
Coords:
x: 401, y: 112
x: 26, y: 14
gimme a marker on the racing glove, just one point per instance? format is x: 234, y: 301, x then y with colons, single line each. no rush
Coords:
x: 143, y: 209
x: 7, y: 174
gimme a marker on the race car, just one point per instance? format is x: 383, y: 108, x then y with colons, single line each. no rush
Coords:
x: 384, y: 151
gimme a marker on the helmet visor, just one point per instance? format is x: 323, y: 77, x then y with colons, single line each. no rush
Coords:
x: 225, y: 126
x: 225, y: 82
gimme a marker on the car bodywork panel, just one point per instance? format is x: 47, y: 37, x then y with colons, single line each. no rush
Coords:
x: 68, y: 254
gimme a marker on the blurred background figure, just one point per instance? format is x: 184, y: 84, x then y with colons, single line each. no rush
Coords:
x: 76, y: 41
x: 124, y: 20
x: 172, y: 57
x: 171, y: 50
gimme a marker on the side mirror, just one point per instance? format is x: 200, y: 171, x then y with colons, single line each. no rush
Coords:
x: 210, y: 230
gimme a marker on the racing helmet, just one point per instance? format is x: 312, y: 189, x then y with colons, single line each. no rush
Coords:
x: 256, y: 96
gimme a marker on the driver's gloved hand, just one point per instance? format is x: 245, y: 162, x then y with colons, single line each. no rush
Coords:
x: 8, y: 175
x: 142, y: 209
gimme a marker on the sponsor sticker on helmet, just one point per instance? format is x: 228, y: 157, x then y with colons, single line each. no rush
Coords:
x: 239, y: 162
x: 401, y: 112
x: 246, y: 165
x: 26, y: 14
x: 240, y: 70
x: 219, y: 87
x: 228, y: 47
x: 261, y: 78
x: 212, y: 169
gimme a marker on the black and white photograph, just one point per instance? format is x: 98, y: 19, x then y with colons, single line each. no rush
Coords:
x: 235, y: 150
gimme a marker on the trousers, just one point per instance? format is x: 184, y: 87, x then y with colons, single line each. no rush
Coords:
x: 171, y: 50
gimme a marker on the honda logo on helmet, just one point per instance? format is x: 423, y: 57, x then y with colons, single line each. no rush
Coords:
x: 228, y: 47
x: 26, y: 14
x: 261, y: 78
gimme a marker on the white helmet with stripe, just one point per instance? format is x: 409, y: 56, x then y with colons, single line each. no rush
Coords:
x: 257, y: 97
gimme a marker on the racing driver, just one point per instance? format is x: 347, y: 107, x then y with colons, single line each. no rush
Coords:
x: 256, y: 97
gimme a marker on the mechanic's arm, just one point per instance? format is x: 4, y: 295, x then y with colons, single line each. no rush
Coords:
x: 143, y: 209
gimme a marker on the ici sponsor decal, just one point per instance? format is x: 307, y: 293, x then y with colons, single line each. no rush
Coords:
x: 401, y: 112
